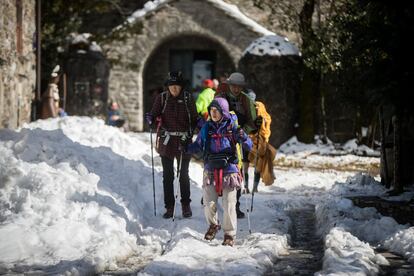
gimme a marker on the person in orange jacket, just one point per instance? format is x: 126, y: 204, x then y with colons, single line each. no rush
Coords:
x: 262, y: 153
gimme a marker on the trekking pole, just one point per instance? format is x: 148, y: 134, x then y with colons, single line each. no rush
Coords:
x: 255, y: 171
x: 245, y: 199
x: 153, y: 176
x: 178, y: 183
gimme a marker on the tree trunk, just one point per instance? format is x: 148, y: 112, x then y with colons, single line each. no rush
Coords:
x: 397, y: 155
x: 384, y: 162
x: 307, y: 103
x: 310, y: 82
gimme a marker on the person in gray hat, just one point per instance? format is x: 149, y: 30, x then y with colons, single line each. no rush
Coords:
x: 243, y: 106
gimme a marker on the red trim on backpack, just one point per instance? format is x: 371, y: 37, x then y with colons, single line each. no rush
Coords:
x: 218, y: 179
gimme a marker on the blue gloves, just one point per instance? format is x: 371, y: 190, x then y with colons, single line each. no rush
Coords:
x: 149, y: 118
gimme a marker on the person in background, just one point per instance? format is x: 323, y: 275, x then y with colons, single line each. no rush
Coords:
x: 216, y: 84
x: 262, y: 153
x: 115, y: 117
x: 62, y: 112
x: 245, y: 110
x: 222, y: 87
x: 50, y: 98
x: 204, y: 98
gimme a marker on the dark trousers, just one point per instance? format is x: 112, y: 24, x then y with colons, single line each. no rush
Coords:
x: 238, y: 199
x: 168, y: 181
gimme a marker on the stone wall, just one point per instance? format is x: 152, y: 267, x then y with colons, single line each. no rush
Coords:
x: 17, y: 69
x: 178, y: 18
x: 276, y: 82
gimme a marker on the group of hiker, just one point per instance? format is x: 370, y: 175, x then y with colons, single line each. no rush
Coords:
x: 232, y: 130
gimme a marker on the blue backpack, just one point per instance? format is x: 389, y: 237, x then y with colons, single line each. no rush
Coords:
x: 222, y: 157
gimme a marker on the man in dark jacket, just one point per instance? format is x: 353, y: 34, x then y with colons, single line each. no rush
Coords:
x: 177, y: 117
x: 245, y: 110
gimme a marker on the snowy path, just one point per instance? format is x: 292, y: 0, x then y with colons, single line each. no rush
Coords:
x: 76, y: 199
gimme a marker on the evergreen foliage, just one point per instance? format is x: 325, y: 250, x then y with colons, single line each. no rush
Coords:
x: 60, y: 18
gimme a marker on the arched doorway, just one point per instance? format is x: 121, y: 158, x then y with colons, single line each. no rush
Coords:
x: 197, y: 56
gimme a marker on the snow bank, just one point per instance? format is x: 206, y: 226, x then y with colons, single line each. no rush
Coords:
x: 54, y: 213
x: 402, y: 242
x: 69, y: 193
x: 76, y: 198
x: 293, y: 146
x: 326, y: 156
x: 358, y: 184
x: 347, y: 255
x: 346, y: 226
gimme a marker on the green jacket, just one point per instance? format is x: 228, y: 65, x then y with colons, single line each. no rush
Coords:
x: 204, y: 99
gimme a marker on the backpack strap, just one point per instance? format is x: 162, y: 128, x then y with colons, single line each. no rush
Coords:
x: 186, y: 99
x: 164, y: 100
x: 208, y: 135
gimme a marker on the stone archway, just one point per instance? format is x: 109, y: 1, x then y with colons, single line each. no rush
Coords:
x: 150, y: 35
x: 188, y: 49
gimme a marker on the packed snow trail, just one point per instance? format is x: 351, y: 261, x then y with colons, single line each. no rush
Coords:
x: 76, y: 199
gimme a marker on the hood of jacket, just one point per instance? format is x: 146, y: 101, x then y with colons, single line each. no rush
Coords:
x: 222, y: 105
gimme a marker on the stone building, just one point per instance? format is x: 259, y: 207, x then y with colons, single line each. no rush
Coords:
x: 17, y: 61
x: 272, y: 69
x: 202, y: 38
x: 87, y: 72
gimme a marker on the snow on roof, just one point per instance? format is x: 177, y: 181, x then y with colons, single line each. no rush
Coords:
x: 234, y: 12
x: 94, y: 47
x: 229, y: 9
x: 80, y: 38
x: 272, y: 45
x: 148, y: 7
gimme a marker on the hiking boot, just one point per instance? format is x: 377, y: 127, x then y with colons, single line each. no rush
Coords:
x: 211, y: 232
x: 240, y: 214
x: 187, y: 213
x: 228, y: 240
x: 169, y: 213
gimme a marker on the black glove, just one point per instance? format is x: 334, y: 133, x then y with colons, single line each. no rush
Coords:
x: 258, y: 122
x: 183, y: 143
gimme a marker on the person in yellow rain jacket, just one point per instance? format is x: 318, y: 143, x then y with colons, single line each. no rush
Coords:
x: 262, y: 153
